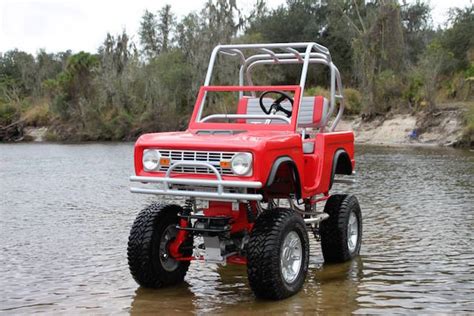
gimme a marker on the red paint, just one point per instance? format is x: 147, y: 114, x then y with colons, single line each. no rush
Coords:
x: 238, y: 217
x: 237, y: 260
x: 181, y: 236
x: 194, y: 125
x: 266, y: 143
x: 318, y: 109
x: 242, y: 106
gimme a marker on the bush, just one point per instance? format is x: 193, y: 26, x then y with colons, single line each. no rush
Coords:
x: 413, y: 93
x: 9, y: 113
x: 313, y: 91
x: 468, y: 134
x: 388, y: 91
x: 469, y: 73
x: 37, y: 115
x: 352, y: 97
x: 353, y: 101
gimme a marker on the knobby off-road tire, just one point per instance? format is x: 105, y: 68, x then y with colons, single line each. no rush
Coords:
x: 273, y: 231
x: 148, y: 258
x: 337, y: 232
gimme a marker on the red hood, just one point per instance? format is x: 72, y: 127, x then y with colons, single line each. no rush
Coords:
x: 247, y: 140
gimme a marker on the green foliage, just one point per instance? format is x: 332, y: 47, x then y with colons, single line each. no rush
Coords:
x: 388, y: 91
x: 468, y: 133
x: 318, y: 90
x: 37, y: 115
x: 353, y: 101
x: 155, y: 31
x: 388, y: 52
x: 352, y: 98
x: 17, y: 72
x: 417, y: 30
x: 469, y: 73
x: 459, y: 38
x: 435, y: 61
x: 148, y: 34
x: 9, y: 113
x: 413, y: 92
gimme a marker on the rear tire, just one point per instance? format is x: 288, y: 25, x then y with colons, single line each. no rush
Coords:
x: 277, y: 254
x: 341, y: 233
x: 148, y: 257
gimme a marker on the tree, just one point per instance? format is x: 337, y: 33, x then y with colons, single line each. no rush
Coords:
x: 47, y: 66
x: 156, y: 31
x: 377, y: 45
x: 76, y: 87
x: 433, y: 63
x: 167, y: 22
x: 459, y: 38
x: 17, y: 72
x: 417, y: 28
x: 148, y: 35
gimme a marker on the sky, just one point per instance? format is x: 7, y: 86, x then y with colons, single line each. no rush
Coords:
x: 58, y: 25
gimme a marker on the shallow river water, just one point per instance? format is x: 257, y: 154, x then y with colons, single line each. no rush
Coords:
x: 65, y: 214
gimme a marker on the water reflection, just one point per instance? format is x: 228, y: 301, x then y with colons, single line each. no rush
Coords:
x: 213, y: 289
x: 64, y: 226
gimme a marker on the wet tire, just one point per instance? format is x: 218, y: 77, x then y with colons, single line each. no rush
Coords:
x: 148, y: 258
x: 337, y: 238
x: 267, y: 260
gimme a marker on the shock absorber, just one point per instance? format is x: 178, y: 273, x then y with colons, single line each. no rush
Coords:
x: 189, y: 206
x: 250, y: 213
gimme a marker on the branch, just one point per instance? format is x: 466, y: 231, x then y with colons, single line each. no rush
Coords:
x: 360, y: 18
x: 349, y: 20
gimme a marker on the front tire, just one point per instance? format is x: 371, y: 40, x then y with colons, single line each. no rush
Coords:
x: 341, y: 233
x: 277, y: 254
x: 148, y: 258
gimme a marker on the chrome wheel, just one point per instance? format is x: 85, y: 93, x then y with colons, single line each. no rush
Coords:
x: 352, y: 232
x: 291, y: 257
x: 168, y: 263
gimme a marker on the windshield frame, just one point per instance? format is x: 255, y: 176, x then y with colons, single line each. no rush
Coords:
x: 196, y: 122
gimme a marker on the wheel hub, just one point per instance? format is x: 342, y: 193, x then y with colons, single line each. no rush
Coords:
x: 352, y: 232
x: 168, y: 263
x: 291, y: 257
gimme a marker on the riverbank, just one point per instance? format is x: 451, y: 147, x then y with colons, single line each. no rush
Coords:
x: 444, y: 127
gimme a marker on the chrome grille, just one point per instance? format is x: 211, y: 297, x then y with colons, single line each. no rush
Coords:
x: 213, y: 158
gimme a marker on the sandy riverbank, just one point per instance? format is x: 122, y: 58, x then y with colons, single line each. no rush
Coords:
x: 439, y: 129
x: 443, y: 128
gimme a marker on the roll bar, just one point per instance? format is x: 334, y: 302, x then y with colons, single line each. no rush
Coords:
x: 304, y: 53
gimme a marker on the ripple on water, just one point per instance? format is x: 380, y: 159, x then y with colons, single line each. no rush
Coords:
x: 65, y: 223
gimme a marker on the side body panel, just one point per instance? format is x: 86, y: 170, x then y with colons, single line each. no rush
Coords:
x: 318, y: 165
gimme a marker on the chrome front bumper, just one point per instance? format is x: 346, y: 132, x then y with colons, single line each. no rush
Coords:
x: 219, y: 184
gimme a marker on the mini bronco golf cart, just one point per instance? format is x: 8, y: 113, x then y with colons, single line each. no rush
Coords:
x: 252, y: 169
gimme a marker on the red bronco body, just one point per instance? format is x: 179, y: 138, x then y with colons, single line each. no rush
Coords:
x: 236, y: 169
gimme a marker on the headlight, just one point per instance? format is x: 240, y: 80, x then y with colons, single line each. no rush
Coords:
x: 242, y: 164
x: 151, y: 159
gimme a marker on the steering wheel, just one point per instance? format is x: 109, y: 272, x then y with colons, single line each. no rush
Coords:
x: 276, y: 106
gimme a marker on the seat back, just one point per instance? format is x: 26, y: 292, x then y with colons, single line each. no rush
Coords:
x: 312, y: 110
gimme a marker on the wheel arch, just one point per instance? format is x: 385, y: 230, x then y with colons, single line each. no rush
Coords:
x: 281, y: 162
x: 341, y: 164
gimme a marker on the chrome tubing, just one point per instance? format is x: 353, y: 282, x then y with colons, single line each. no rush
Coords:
x: 220, y: 184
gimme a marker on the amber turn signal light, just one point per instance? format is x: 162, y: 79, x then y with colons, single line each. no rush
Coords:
x: 164, y: 161
x: 225, y: 164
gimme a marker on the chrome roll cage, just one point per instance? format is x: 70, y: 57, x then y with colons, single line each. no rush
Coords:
x: 304, y: 53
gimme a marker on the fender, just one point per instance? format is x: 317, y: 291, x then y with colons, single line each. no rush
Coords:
x: 341, y: 164
x: 296, y: 176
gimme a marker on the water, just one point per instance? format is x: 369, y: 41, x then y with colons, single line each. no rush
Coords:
x: 66, y: 213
